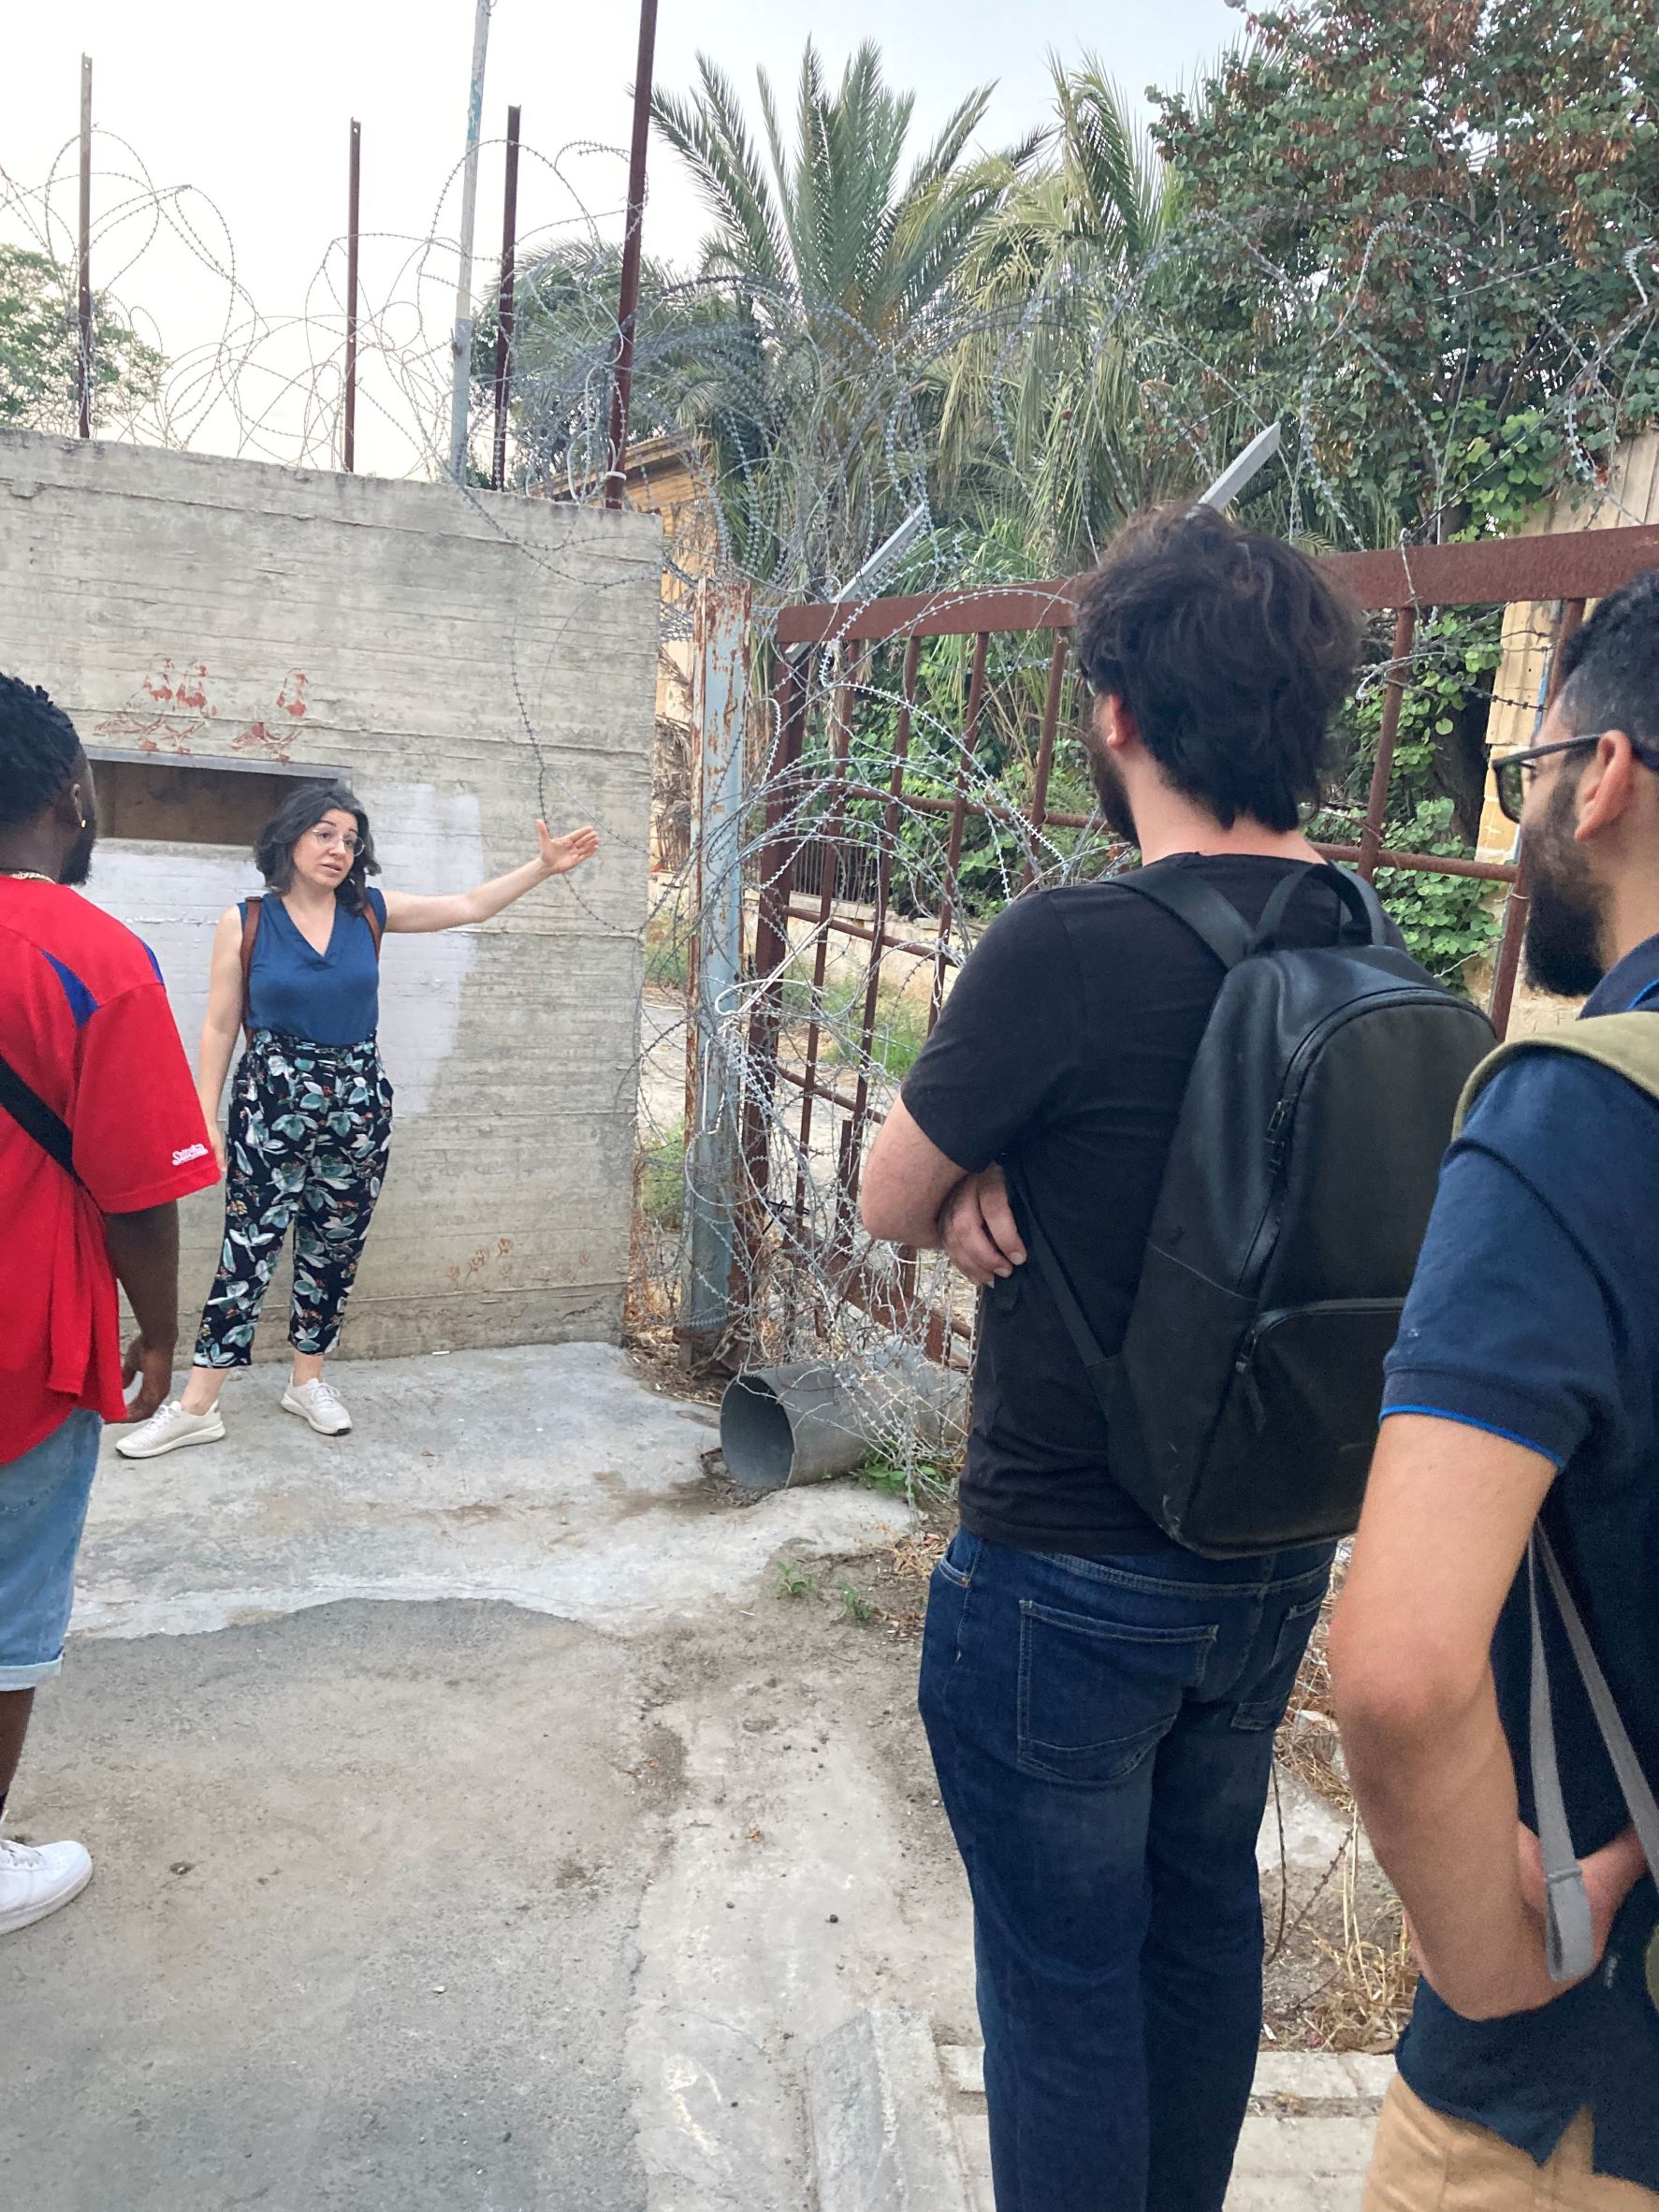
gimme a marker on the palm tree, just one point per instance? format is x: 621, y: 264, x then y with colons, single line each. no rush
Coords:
x: 1045, y: 401
x: 843, y: 278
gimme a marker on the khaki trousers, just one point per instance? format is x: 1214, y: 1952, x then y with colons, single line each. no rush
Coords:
x: 1425, y: 2162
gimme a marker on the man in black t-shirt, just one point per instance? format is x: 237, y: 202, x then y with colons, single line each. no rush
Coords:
x: 1100, y: 1703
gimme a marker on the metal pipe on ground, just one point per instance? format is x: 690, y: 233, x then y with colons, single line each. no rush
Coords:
x: 784, y: 1426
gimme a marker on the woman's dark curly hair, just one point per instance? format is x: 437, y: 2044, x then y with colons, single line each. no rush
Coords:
x: 1232, y: 652
x: 274, y: 849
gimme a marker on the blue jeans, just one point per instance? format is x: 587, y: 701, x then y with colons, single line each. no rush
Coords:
x: 1103, y: 1731
x: 43, y: 1499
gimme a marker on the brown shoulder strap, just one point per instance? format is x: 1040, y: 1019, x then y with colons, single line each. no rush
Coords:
x: 371, y: 915
x: 252, y: 909
x: 1628, y: 1044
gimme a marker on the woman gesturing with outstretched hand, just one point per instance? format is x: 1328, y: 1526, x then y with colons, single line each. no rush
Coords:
x: 297, y: 972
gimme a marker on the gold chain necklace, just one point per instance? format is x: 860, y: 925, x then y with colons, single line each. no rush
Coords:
x: 27, y: 876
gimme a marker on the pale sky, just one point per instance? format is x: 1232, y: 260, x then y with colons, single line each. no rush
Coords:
x: 250, y: 107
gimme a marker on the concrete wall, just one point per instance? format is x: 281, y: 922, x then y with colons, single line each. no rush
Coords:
x: 192, y: 608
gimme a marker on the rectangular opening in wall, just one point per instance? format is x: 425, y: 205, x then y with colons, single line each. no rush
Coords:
x: 168, y: 799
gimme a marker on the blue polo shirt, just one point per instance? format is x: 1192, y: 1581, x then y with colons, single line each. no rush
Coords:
x: 1535, y: 1314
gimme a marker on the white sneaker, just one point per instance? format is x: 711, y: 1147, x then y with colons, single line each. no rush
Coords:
x: 168, y: 1428
x: 319, y: 1404
x: 36, y: 1882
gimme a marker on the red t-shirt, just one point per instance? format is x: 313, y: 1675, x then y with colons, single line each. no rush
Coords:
x: 85, y: 1022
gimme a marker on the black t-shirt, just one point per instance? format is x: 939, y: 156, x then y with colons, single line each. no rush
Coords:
x: 1064, y: 1051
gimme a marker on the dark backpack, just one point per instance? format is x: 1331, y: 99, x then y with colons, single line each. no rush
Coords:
x: 1244, y: 1404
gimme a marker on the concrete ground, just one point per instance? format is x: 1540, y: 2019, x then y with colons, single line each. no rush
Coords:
x: 530, y: 1892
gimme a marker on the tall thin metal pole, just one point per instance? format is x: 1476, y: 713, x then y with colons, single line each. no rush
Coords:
x: 503, y: 308
x: 84, y: 360
x: 348, y: 460
x: 463, y: 285
x: 628, y: 304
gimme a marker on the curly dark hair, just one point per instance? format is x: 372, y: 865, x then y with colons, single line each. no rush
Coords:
x: 1609, y: 667
x: 39, y: 751
x: 1230, y: 650
x: 274, y: 849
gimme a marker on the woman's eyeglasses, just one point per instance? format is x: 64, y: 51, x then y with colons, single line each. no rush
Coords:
x: 1509, y: 774
x: 327, y: 839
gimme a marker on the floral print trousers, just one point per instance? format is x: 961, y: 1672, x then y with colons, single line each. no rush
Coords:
x: 310, y: 1128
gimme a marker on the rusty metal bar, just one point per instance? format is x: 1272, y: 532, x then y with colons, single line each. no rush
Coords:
x: 348, y: 436
x: 713, y: 1202
x: 83, y: 357
x: 1382, y: 773
x: 628, y: 302
x: 1507, y: 970
x: 771, y: 939
x: 970, y: 735
x: 840, y: 746
x: 814, y: 1088
x: 933, y: 614
x: 844, y: 927
x: 1426, y: 863
x: 1045, y: 753
x: 879, y: 942
x: 897, y: 1306
x: 503, y: 308
x: 1495, y: 571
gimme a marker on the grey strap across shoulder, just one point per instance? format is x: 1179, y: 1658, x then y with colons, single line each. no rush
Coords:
x: 1569, y: 1939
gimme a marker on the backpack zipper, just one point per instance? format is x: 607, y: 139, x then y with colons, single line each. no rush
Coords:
x: 1279, y: 1129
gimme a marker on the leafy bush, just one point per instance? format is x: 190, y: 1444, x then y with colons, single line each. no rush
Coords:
x: 663, y: 1178
x: 1447, y: 920
x: 666, y: 957
x: 899, y: 1032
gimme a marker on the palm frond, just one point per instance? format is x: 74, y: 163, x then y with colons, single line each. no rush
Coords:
x: 711, y: 136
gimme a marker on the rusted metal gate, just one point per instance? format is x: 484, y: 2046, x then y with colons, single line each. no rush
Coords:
x: 1566, y: 570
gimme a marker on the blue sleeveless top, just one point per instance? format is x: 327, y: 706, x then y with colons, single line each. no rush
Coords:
x: 331, y: 998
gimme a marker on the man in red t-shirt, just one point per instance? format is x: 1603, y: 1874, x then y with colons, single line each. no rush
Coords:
x: 100, y: 1136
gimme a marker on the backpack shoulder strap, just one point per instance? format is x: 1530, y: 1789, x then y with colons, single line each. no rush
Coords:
x: 252, y: 909
x: 1628, y: 1044
x: 36, y: 1118
x: 1100, y: 1369
x: 1213, y: 919
x: 1362, y: 911
x: 372, y: 916
x: 1568, y: 1934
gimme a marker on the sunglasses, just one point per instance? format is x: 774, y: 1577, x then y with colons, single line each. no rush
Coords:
x: 1509, y: 774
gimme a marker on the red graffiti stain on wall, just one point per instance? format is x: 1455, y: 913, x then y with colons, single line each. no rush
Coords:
x: 169, y: 709
x: 259, y: 737
x: 479, y: 1261
x: 173, y: 704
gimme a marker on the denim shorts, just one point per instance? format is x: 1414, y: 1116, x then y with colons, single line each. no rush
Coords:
x: 43, y: 1501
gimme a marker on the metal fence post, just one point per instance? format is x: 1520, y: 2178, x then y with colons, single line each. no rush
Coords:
x: 461, y: 344
x: 84, y: 356
x: 348, y: 454
x: 714, y: 1140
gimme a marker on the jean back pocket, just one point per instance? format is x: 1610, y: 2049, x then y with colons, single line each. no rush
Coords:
x: 1097, y: 1695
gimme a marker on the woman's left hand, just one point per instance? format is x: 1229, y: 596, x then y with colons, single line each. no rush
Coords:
x: 561, y: 854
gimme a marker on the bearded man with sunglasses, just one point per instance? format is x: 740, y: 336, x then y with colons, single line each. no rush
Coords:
x: 1523, y: 1396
